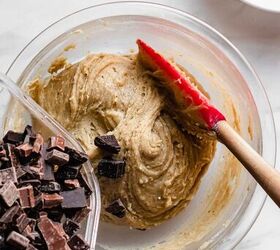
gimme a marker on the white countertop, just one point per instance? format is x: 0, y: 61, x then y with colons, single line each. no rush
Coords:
x: 254, y: 32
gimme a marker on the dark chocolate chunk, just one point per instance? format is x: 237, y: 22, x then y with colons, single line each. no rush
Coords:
x: 111, y: 168
x: 20, y: 172
x: 55, y: 214
x: 9, y: 193
x: 48, y: 174
x: 9, y: 215
x: 38, y: 144
x: 33, y: 182
x: 76, y: 157
x: 56, y: 142
x: 74, y: 198
x: 13, y: 137
x: 81, y: 214
x: 24, y: 150
x: 68, y: 172
x: 76, y: 242
x: 29, y: 135
x: 17, y: 240
x: 26, y: 196
x: 71, y: 183
x: 107, y: 143
x: 22, y: 222
x: 51, y: 200
x: 10, y: 153
x: 56, y: 157
x: 71, y: 227
x: 8, y: 174
x: 84, y: 183
x: 116, y: 208
x: 50, y: 234
x: 50, y: 187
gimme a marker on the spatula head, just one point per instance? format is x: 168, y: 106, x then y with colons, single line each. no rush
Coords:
x: 185, y: 92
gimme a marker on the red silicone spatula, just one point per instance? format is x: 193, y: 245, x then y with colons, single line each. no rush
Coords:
x: 212, y: 119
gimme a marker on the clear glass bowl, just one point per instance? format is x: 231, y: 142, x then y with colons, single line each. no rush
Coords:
x: 228, y: 200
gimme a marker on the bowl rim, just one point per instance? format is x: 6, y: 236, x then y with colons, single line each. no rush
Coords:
x: 248, y: 224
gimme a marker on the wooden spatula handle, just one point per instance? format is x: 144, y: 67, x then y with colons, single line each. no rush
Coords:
x: 263, y: 173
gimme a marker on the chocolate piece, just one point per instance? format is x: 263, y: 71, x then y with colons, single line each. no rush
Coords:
x: 111, y: 168
x: 29, y: 134
x: 33, y: 182
x: 9, y: 148
x: 22, y: 222
x: 55, y: 214
x: 20, y: 172
x: 26, y: 197
x: 50, y: 187
x: 84, y: 183
x: 81, y: 214
x: 71, y: 227
x: 116, y: 208
x: 9, y: 193
x: 56, y: 157
x: 51, y: 200
x: 48, y: 174
x: 56, y: 142
x: 13, y: 137
x: 24, y: 150
x: 76, y: 157
x: 74, y: 198
x: 71, y: 183
x: 17, y: 240
x: 50, y: 234
x: 107, y: 143
x: 38, y: 144
x: 10, y: 214
x: 60, y: 230
x: 68, y: 172
x: 77, y: 243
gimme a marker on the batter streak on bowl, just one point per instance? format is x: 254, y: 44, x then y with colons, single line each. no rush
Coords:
x: 114, y: 94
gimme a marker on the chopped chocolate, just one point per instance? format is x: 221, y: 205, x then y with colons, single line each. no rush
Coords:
x: 55, y: 214
x: 20, y: 172
x: 50, y: 187
x: 9, y: 193
x: 51, y: 200
x: 60, y: 229
x: 29, y: 134
x: 111, y: 168
x: 81, y: 214
x: 35, y: 183
x: 13, y: 137
x: 68, y: 172
x: 48, y: 174
x: 26, y: 196
x: 76, y: 157
x: 56, y: 157
x: 17, y: 240
x: 84, y: 183
x: 107, y: 143
x: 38, y: 144
x: 56, y: 142
x: 71, y: 227
x: 77, y: 243
x: 74, y: 198
x: 22, y: 222
x: 50, y: 234
x: 72, y: 183
x: 13, y: 162
x: 10, y: 214
x: 24, y: 150
x: 116, y: 208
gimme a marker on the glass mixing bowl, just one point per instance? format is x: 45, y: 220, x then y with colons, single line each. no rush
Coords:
x: 228, y: 200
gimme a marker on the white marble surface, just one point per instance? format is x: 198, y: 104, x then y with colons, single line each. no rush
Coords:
x: 256, y: 33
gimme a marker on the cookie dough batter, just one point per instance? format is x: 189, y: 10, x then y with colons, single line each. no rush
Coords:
x: 114, y: 94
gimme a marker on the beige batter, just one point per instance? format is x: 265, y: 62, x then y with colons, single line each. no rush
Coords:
x: 114, y: 94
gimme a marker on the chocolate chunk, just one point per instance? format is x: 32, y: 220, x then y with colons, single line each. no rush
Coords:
x: 13, y: 137
x: 60, y: 230
x: 116, y: 208
x: 51, y: 200
x: 29, y: 135
x: 81, y: 214
x: 9, y: 148
x: 20, y: 172
x: 71, y: 183
x: 56, y: 157
x: 38, y: 144
x: 24, y: 150
x: 22, y: 222
x: 9, y: 193
x: 84, y: 183
x: 48, y: 174
x: 107, y: 143
x: 33, y: 182
x: 77, y: 243
x: 17, y: 240
x: 68, y: 172
x: 50, y: 187
x: 76, y: 157
x: 26, y: 197
x: 74, y: 198
x: 111, y: 168
x: 50, y: 234
x: 71, y: 227
x: 55, y: 214
x: 56, y: 142
x: 8, y: 174
x: 10, y: 214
